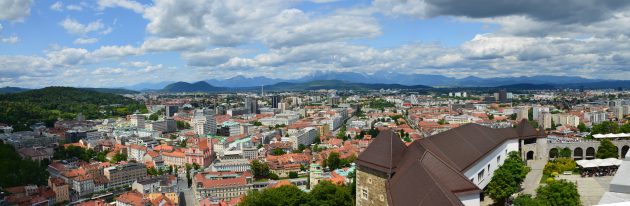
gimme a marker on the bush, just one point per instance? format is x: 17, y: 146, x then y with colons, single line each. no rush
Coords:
x: 559, y: 165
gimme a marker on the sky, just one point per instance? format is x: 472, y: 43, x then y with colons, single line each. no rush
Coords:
x: 117, y: 43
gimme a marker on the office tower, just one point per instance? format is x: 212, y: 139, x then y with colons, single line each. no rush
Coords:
x: 274, y: 101
x: 137, y: 121
x: 171, y: 110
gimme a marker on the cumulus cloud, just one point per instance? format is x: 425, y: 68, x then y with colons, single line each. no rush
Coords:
x: 73, y: 26
x: 563, y: 11
x: 57, y: 6
x: 274, y: 22
x: 15, y: 10
x: 84, y: 40
x: 10, y: 40
x: 127, y: 4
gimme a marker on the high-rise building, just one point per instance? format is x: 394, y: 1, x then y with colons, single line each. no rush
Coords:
x: 545, y: 120
x: 522, y: 113
x: 274, y: 101
x: 137, y: 121
x: 251, y: 105
x: 205, y: 122
x: 171, y: 109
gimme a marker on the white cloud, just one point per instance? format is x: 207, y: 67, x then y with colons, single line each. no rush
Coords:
x: 127, y: 4
x: 15, y: 10
x: 57, y: 6
x: 74, y: 7
x: 10, y: 40
x: 75, y: 27
x: 212, y: 57
x: 237, y: 22
x: 67, y: 56
x: 84, y: 40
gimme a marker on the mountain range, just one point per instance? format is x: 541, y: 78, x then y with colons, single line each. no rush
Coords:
x: 404, y: 79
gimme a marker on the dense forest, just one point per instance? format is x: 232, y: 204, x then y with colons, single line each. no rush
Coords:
x: 52, y: 103
x: 15, y: 171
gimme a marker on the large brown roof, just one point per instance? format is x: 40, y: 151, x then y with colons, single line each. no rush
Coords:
x: 439, y: 182
x: 383, y: 153
x: 467, y: 144
x: 429, y: 171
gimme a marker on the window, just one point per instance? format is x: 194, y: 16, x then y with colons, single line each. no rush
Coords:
x: 488, y: 167
x: 480, y: 175
x: 499, y: 159
x: 369, y: 180
x: 381, y: 197
x: 364, y: 193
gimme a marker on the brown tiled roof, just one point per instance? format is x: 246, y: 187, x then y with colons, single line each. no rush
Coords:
x: 383, y: 152
x: 440, y: 182
x: 467, y: 144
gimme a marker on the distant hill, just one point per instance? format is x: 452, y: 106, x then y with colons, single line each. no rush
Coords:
x: 337, y: 84
x: 6, y: 90
x: 113, y: 90
x: 52, y: 103
x: 200, y: 86
x: 527, y: 87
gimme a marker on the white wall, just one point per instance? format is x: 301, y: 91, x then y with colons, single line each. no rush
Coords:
x: 510, y: 145
x: 470, y: 199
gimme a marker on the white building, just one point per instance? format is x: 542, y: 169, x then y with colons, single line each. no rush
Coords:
x: 137, y: 121
x: 304, y: 136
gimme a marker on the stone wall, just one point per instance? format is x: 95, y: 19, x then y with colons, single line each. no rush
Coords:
x: 373, y: 183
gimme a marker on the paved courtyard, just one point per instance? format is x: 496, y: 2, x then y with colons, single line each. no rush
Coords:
x: 591, y: 189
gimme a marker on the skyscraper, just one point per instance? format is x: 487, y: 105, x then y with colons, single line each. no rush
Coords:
x: 171, y: 109
x: 274, y: 101
x: 205, y: 122
x: 251, y: 105
x: 137, y: 121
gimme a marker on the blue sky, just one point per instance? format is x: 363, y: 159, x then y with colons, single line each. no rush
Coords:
x: 113, y: 43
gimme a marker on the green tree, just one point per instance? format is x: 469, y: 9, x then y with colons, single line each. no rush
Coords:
x: 490, y: 116
x: 16, y: 171
x: 582, y: 127
x: 293, y: 175
x: 333, y: 161
x: 342, y: 133
x: 526, y: 200
x: 277, y: 152
x: 259, y: 169
x: 605, y: 128
x: 625, y: 128
x: 288, y: 195
x: 558, y: 192
x: 182, y: 124
x: 327, y: 193
x: 566, y: 153
x: 119, y: 157
x: 442, y: 121
x: 256, y: 123
x: 273, y: 176
x: 507, y: 179
x: 154, y: 116
x: 607, y: 149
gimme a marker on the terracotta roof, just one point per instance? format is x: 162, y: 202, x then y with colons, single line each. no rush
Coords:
x: 383, y: 152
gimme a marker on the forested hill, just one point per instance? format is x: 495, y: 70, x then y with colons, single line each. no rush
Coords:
x: 52, y: 103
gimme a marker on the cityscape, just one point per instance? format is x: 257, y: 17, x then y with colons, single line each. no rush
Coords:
x: 314, y: 102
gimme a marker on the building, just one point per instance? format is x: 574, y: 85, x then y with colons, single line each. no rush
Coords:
x: 305, y: 136
x: 251, y: 105
x: 175, y: 158
x: 522, y: 113
x: 137, y: 121
x: 61, y: 189
x: 126, y: 174
x: 433, y: 170
x: 274, y: 101
x: 171, y: 110
x: 545, y: 120
x: 205, y: 124
x: 199, y: 151
x: 155, y: 184
x: 222, y: 185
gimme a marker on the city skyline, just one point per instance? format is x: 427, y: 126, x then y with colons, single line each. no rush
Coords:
x: 118, y: 43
